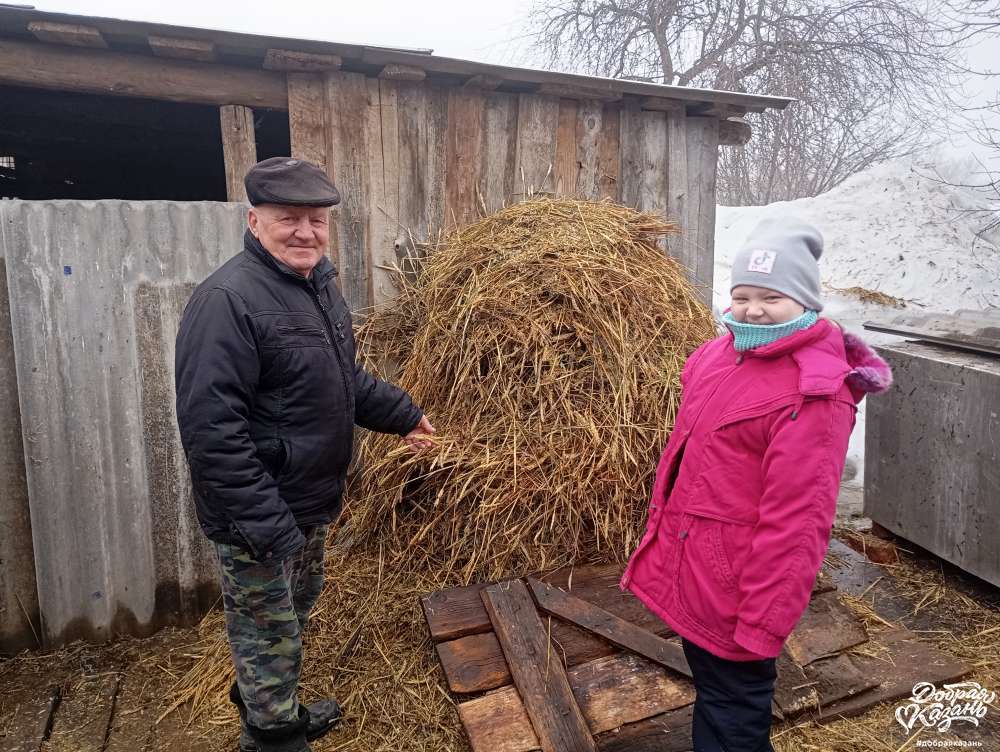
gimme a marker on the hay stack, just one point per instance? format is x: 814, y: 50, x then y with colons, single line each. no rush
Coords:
x: 545, y: 343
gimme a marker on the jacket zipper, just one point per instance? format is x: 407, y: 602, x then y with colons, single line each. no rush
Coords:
x: 329, y: 339
x: 627, y: 577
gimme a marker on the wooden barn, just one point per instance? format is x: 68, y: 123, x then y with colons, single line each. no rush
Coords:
x: 116, y: 139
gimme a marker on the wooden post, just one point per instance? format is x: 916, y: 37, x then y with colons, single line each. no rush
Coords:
x: 239, y: 148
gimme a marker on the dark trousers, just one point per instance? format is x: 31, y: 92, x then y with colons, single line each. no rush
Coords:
x: 732, y: 707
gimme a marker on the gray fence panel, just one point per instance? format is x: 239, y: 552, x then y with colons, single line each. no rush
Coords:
x: 18, y: 595
x: 935, y: 442
x: 97, y: 289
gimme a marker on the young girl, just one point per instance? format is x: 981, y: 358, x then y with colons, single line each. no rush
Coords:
x: 746, y: 489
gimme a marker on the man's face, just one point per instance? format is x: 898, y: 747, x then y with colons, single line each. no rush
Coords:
x: 295, y: 235
x: 758, y: 305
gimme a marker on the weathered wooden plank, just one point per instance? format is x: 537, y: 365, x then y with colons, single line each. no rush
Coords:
x: 679, y: 246
x: 661, y: 105
x: 84, y: 715
x: 537, y: 124
x: 475, y: 663
x: 484, y: 82
x: 499, y: 150
x: 644, y: 160
x: 75, y: 35
x: 569, y: 91
x: 422, y: 127
x: 348, y: 131
x: 31, y: 722
x: 307, y: 113
x: 667, y: 732
x: 498, y: 722
x: 394, y: 72
x: 702, y: 156
x: 182, y: 49
x: 567, y: 165
x: 624, y: 689
x: 612, y: 691
x: 459, y: 611
x: 826, y: 628
x: 907, y: 661
x: 819, y: 684
x: 456, y: 612
x: 466, y: 109
x: 116, y: 73
x: 589, y: 121
x: 609, y: 166
x: 307, y: 118
x: 554, y: 601
x: 540, y: 679
x: 383, y: 161
x: 300, y: 62
x: 239, y: 148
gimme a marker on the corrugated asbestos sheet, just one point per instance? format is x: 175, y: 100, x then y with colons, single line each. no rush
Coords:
x: 18, y: 597
x: 97, y: 289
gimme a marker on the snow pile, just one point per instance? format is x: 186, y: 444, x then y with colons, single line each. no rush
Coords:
x: 896, y: 229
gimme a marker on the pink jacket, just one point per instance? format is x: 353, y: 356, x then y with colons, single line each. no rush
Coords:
x: 746, y: 489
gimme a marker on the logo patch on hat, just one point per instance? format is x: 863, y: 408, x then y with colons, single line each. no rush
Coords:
x: 762, y: 261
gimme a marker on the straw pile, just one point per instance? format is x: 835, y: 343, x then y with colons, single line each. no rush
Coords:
x: 545, y: 343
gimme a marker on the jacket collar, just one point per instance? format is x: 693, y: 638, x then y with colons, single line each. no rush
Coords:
x: 322, y: 274
x: 818, y: 352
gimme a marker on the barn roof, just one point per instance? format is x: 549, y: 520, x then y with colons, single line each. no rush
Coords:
x: 19, y: 24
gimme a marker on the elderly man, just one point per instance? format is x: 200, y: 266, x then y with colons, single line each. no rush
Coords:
x: 268, y: 393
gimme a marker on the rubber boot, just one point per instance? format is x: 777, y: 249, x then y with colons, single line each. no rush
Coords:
x: 323, y: 716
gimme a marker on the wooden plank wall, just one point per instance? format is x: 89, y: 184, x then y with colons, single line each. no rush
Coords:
x: 412, y: 158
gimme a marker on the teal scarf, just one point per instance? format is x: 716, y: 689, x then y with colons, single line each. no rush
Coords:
x: 749, y: 336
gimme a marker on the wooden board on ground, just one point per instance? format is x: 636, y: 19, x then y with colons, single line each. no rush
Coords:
x: 618, y: 631
x: 610, y: 691
x: 459, y: 611
x: 826, y: 628
x: 667, y: 732
x: 540, y: 679
x: 898, y: 659
x: 31, y: 722
x: 84, y: 716
x: 819, y: 684
x: 475, y: 663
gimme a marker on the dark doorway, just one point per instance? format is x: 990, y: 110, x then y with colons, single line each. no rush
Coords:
x: 80, y: 146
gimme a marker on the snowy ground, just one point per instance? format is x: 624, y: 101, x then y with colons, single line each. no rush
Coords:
x: 896, y: 229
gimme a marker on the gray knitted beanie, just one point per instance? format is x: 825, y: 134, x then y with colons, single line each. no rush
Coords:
x: 781, y: 254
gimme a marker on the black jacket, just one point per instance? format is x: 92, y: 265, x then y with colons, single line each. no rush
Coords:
x: 268, y: 393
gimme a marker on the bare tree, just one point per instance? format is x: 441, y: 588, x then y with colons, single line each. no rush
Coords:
x: 871, y: 77
x: 976, y: 22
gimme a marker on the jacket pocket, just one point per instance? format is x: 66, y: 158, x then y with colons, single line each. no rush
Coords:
x: 303, y: 335
x: 243, y: 540
x: 709, y: 562
x: 274, y: 456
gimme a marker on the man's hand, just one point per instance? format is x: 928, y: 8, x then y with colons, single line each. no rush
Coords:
x: 417, y: 439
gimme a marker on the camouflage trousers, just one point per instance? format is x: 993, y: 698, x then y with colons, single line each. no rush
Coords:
x: 267, y: 606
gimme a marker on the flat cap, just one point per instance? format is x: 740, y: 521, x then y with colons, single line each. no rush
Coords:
x: 291, y: 182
